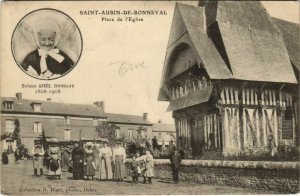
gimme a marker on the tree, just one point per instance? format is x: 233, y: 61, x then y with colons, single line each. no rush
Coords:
x: 16, y: 133
x: 108, y: 131
x: 43, y: 139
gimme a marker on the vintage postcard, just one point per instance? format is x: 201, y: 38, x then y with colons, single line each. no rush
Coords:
x: 149, y: 97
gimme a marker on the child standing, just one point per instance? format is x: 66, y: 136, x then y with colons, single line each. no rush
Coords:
x: 149, y: 171
x: 135, y: 170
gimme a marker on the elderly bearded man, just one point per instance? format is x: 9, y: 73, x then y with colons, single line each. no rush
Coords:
x: 47, y: 61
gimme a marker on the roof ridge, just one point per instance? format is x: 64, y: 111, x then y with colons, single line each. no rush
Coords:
x: 45, y: 101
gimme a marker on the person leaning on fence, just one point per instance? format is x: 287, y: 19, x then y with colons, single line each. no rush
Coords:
x: 175, y: 160
x: 38, y: 153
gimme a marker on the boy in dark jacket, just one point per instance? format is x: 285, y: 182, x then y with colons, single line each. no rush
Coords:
x: 175, y: 159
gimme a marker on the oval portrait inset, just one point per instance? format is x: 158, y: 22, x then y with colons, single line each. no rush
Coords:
x: 46, y: 44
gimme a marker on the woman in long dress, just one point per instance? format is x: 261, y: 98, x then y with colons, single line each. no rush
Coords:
x: 55, y: 158
x: 119, y: 156
x: 77, y: 159
x: 65, y: 159
x: 105, y: 169
x: 89, y: 162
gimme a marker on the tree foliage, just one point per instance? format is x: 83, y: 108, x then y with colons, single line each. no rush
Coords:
x: 43, y: 139
x: 108, y: 131
x: 16, y: 134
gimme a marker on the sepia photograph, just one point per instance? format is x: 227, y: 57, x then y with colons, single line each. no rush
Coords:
x: 46, y: 33
x: 149, y: 97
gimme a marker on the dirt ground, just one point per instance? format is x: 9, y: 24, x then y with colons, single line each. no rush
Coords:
x: 17, y: 179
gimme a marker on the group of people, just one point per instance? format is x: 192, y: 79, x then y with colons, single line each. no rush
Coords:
x: 98, y: 161
x: 93, y: 161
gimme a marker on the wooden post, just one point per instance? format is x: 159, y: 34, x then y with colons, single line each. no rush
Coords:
x: 225, y: 130
x: 218, y: 132
x: 263, y: 97
x: 247, y: 96
x: 215, y: 130
x: 274, y: 97
x: 205, y: 128
x: 222, y: 96
x: 226, y: 95
x: 238, y: 128
x: 255, y: 98
x: 275, y: 128
x: 264, y: 126
x: 257, y: 128
x: 231, y: 96
x: 252, y: 96
x: 236, y: 93
x: 244, y: 96
x: 245, y: 129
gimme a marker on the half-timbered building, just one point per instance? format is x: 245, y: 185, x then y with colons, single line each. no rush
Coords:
x: 229, y: 79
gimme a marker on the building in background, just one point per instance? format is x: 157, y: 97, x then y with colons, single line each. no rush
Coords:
x: 229, y: 75
x: 164, y: 133
x: 130, y: 124
x: 65, y: 122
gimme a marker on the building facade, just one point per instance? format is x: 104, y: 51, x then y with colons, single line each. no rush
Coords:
x: 131, y: 125
x: 230, y: 79
x: 65, y: 122
x: 164, y: 133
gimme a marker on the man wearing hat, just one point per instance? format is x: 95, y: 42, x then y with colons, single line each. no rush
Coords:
x: 175, y: 160
x: 38, y: 153
x: 77, y: 159
x: 47, y: 61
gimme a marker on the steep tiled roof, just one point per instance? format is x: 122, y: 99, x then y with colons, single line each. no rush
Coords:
x: 127, y: 119
x: 254, y: 45
x: 53, y: 108
x: 290, y: 34
x: 163, y: 127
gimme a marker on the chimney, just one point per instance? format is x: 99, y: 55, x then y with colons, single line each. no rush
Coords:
x: 48, y: 99
x: 159, y: 121
x: 100, y: 105
x: 145, y: 116
x: 19, y: 97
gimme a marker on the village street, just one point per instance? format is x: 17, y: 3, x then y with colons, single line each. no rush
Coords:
x: 17, y: 180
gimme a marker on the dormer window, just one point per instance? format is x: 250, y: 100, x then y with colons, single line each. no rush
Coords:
x: 36, y: 107
x: 8, y: 105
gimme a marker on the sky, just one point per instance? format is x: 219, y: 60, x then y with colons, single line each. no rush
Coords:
x: 106, y: 47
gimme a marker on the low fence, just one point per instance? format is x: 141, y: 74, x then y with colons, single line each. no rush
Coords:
x: 281, y: 177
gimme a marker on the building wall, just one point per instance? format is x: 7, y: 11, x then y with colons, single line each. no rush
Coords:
x: 54, y: 126
x: 242, y: 121
x: 125, y: 127
x: 166, y: 136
